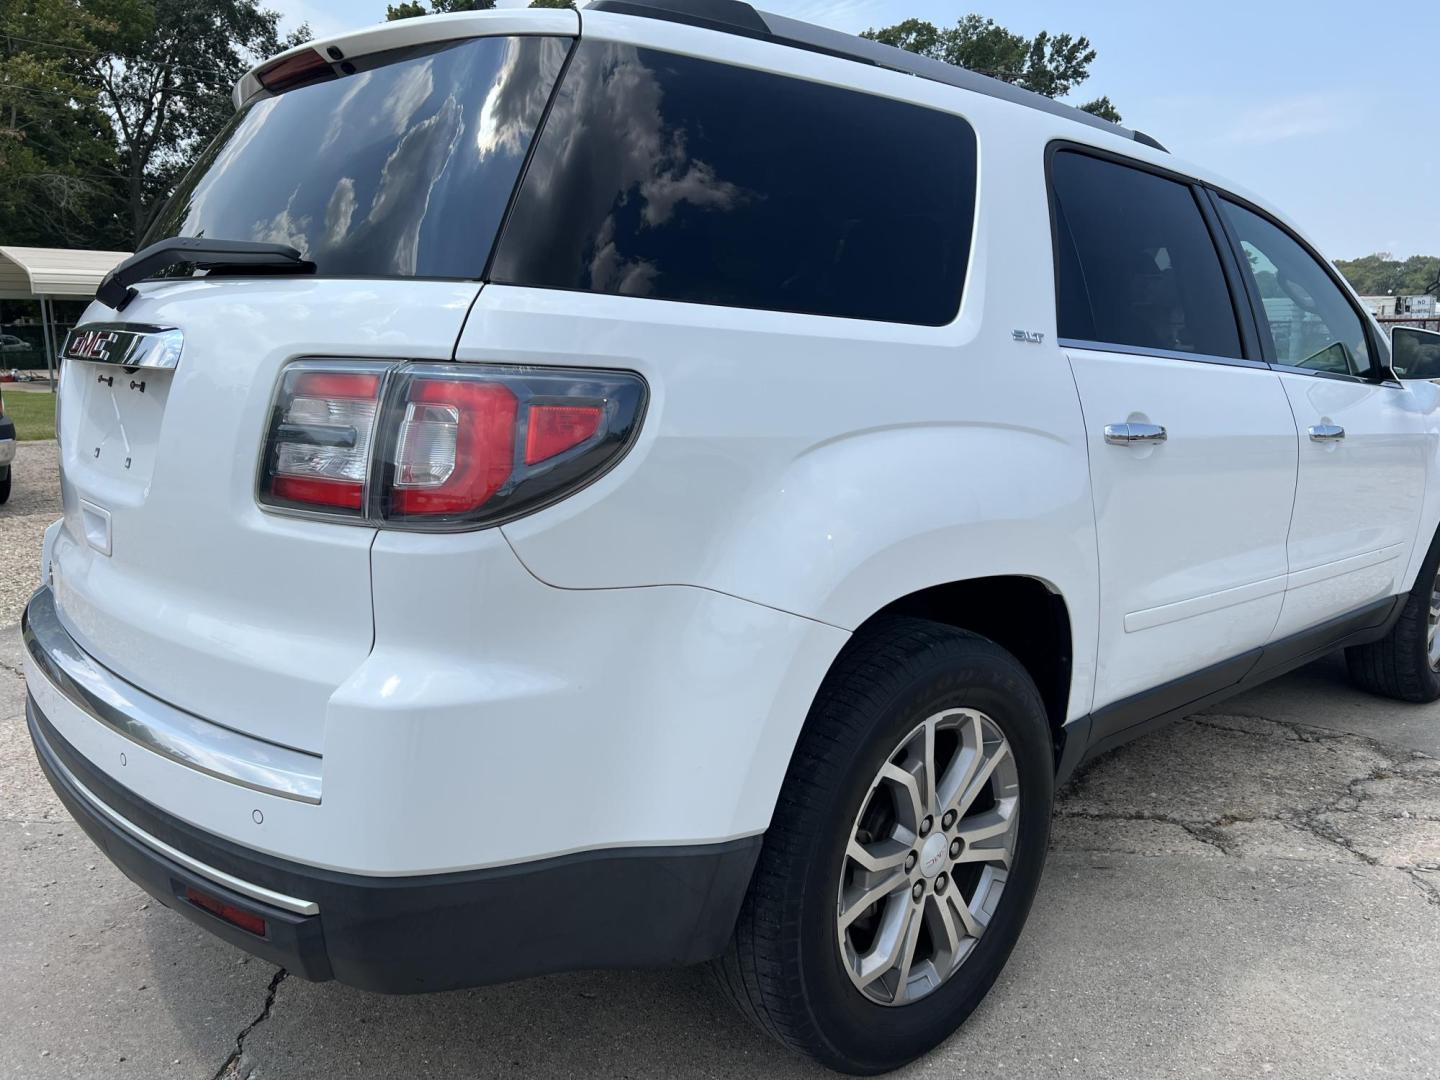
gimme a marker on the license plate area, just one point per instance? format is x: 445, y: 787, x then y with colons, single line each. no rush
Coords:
x: 120, y: 415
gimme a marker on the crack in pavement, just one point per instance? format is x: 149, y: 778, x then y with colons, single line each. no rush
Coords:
x: 230, y: 1067
x: 1199, y: 832
x: 1321, y: 819
x: 1430, y: 892
x: 1302, y: 732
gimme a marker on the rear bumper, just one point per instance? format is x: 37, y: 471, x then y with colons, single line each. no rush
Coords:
x: 642, y: 907
x: 495, y: 721
x: 516, y: 780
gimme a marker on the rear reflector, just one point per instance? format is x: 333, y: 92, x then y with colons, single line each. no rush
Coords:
x: 441, y: 446
x: 553, y: 429
x: 245, y: 920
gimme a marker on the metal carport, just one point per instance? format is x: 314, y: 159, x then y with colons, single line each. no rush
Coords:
x: 42, y: 274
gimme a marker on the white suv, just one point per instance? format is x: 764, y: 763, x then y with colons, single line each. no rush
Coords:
x: 659, y: 484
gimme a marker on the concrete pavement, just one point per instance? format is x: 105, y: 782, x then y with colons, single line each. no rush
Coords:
x: 1253, y: 892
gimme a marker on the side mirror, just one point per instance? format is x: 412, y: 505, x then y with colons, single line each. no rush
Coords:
x: 1415, y: 354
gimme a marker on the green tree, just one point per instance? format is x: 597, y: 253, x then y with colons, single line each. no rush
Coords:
x: 1103, y: 108
x: 1380, y: 274
x: 1049, y: 64
x: 165, y: 73
x: 57, y: 162
x: 413, y: 9
x: 552, y: 3
x: 123, y: 94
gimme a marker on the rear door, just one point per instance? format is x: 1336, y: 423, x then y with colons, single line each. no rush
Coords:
x: 1363, y: 447
x: 392, y: 178
x: 1192, y: 445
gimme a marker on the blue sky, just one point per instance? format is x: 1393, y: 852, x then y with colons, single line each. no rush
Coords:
x: 1331, y: 110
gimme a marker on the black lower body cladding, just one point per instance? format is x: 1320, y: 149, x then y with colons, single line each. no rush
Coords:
x: 624, y: 908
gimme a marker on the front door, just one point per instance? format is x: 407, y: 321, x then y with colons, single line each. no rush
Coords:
x: 1192, y: 445
x: 1363, y: 449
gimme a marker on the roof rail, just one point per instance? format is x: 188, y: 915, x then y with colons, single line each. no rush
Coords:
x: 737, y: 17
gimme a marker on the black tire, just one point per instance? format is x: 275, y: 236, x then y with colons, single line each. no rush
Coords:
x: 783, y: 967
x: 5, y: 484
x: 1398, y: 665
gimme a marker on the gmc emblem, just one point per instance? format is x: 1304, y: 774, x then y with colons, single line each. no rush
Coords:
x: 90, y: 345
x: 132, y: 345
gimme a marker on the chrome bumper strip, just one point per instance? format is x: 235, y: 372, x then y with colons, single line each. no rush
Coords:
x: 205, y: 870
x: 151, y: 723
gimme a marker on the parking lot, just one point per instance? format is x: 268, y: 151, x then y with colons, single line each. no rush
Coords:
x: 1252, y: 892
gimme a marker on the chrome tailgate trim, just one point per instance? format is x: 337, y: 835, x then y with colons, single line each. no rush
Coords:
x: 154, y: 725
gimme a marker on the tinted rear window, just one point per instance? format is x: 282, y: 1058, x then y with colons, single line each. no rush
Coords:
x: 673, y: 178
x: 1136, y: 262
x: 403, y: 169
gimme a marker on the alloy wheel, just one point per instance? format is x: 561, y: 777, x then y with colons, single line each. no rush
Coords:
x: 928, y: 856
x: 1432, y: 629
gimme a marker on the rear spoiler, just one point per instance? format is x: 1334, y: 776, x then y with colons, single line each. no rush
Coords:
x: 411, y: 33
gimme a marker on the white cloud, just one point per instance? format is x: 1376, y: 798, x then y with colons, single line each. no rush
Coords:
x: 407, y: 94
x: 339, y: 211
x: 697, y: 185
x: 850, y: 16
x: 410, y: 174
x: 1292, y: 118
x: 341, y: 120
x: 503, y: 127
x: 286, y: 227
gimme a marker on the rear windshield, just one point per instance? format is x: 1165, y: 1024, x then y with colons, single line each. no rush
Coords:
x: 400, y: 170
x: 675, y: 178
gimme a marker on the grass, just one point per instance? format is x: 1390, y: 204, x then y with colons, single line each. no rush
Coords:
x: 33, y: 412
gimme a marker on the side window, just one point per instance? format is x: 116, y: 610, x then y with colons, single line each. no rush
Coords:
x: 1310, y: 320
x: 1137, y: 265
x: 674, y: 178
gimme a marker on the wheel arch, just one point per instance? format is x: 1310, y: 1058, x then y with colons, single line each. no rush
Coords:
x: 1026, y: 616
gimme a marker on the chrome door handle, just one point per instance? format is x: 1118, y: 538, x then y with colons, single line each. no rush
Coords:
x: 1326, y: 432
x: 1134, y: 434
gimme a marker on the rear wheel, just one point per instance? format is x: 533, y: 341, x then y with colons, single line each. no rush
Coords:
x: 904, y: 853
x: 5, y: 484
x: 1405, y: 664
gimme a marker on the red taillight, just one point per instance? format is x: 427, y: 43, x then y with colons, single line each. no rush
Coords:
x: 245, y: 920
x: 456, y: 446
x: 337, y: 384
x: 553, y: 429
x: 342, y: 493
x: 320, y: 447
x: 441, y: 446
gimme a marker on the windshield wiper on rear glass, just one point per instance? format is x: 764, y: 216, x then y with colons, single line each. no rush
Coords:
x: 116, y: 289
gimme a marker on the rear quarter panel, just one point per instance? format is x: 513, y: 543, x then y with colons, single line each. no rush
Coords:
x: 826, y: 466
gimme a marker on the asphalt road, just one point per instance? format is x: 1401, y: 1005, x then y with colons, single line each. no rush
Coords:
x: 1253, y: 892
